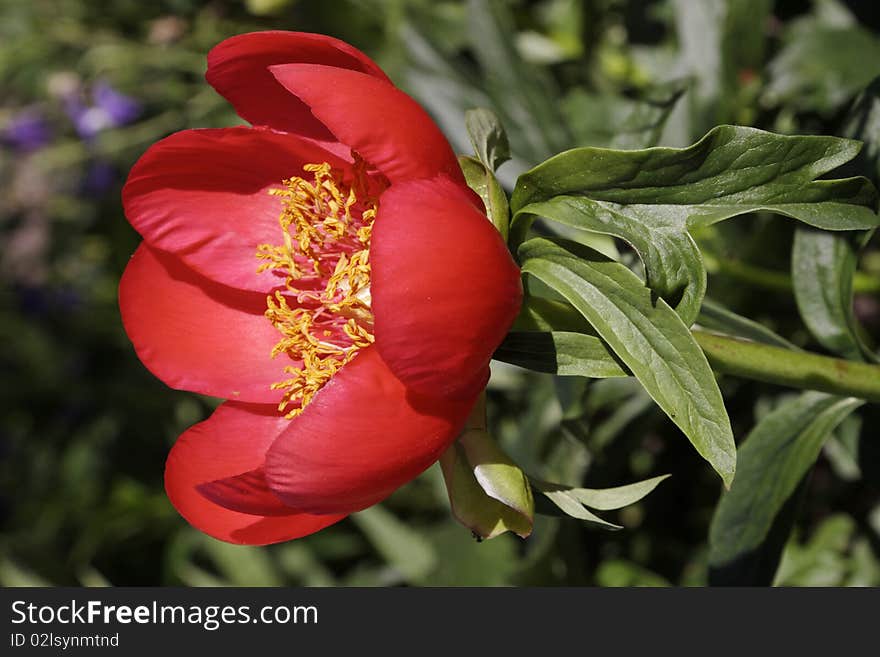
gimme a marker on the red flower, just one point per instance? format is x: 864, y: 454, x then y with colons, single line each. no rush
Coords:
x: 328, y: 272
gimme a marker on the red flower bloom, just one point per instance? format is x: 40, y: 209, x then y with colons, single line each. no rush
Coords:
x: 328, y: 272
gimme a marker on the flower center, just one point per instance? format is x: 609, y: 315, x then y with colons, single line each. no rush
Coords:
x: 322, y: 307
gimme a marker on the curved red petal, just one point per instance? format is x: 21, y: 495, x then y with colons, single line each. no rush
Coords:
x: 238, y: 68
x: 246, y: 493
x: 196, y: 335
x: 445, y: 289
x: 387, y: 127
x: 204, y: 195
x: 233, y: 440
x: 361, y: 437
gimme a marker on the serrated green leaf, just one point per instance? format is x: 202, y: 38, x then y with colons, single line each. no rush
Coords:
x: 480, y: 179
x: 488, y: 137
x: 716, y: 317
x: 647, y: 335
x: 651, y: 198
x: 773, y: 460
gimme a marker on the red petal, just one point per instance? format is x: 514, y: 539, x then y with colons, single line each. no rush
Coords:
x: 361, y: 437
x: 238, y: 68
x: 445, y: 289
x: 197, y: 335
x: 387, y: 127
x: 204, y: 195
x: 233, y: 440
x: 245, y: 493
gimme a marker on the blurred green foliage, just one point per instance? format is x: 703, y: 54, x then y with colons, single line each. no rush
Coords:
x: 84, y: 428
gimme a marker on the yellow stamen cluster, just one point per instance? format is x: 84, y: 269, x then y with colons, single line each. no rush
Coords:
x: 322, y: 307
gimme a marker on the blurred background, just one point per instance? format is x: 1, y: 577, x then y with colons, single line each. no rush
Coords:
x: 86, y: 87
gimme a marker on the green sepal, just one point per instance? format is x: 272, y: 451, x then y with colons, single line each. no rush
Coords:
x: 488, y: 493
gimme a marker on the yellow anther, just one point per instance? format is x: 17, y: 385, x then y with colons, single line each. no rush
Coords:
x: 322, y: 309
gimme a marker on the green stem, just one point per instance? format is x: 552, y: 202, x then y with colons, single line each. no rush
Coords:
x: 796, y: 369
x: 863, y: 283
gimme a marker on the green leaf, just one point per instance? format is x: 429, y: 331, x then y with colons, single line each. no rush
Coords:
x: 572, y: 501
x: 304, y: 564
x: 608, y: 499
x: 824, y: 266
x: 553, y: 337
x: 822, y: 269
x: 618, y: 122
x: 440, y: 86
x: 673, y: 264
x: 242, y: 565
x: 14, y: 575
x: 467, y: 562
x: 488, y: 137
x: 267, y: 7
x: 716, y: 317
x: 401, y: 546
x: 560, y: 352
x: 863, y: 123
x: 731, y: 170
x: 835, y: 555
x: 651, y: 198
x: 648, y: 336
x: 541, y: 314
x: 568, y: 505
x: 620, y: 572
x: 718, y: 40
x: 481, y: 179
x: 773, y: 460
x: 643, y: 126
x: 821, y: 66
x: 530, y: 113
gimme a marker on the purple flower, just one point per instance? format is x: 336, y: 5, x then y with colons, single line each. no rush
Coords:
x: 110, y: 109
x: 120, y: 109
x: 27, y: 131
